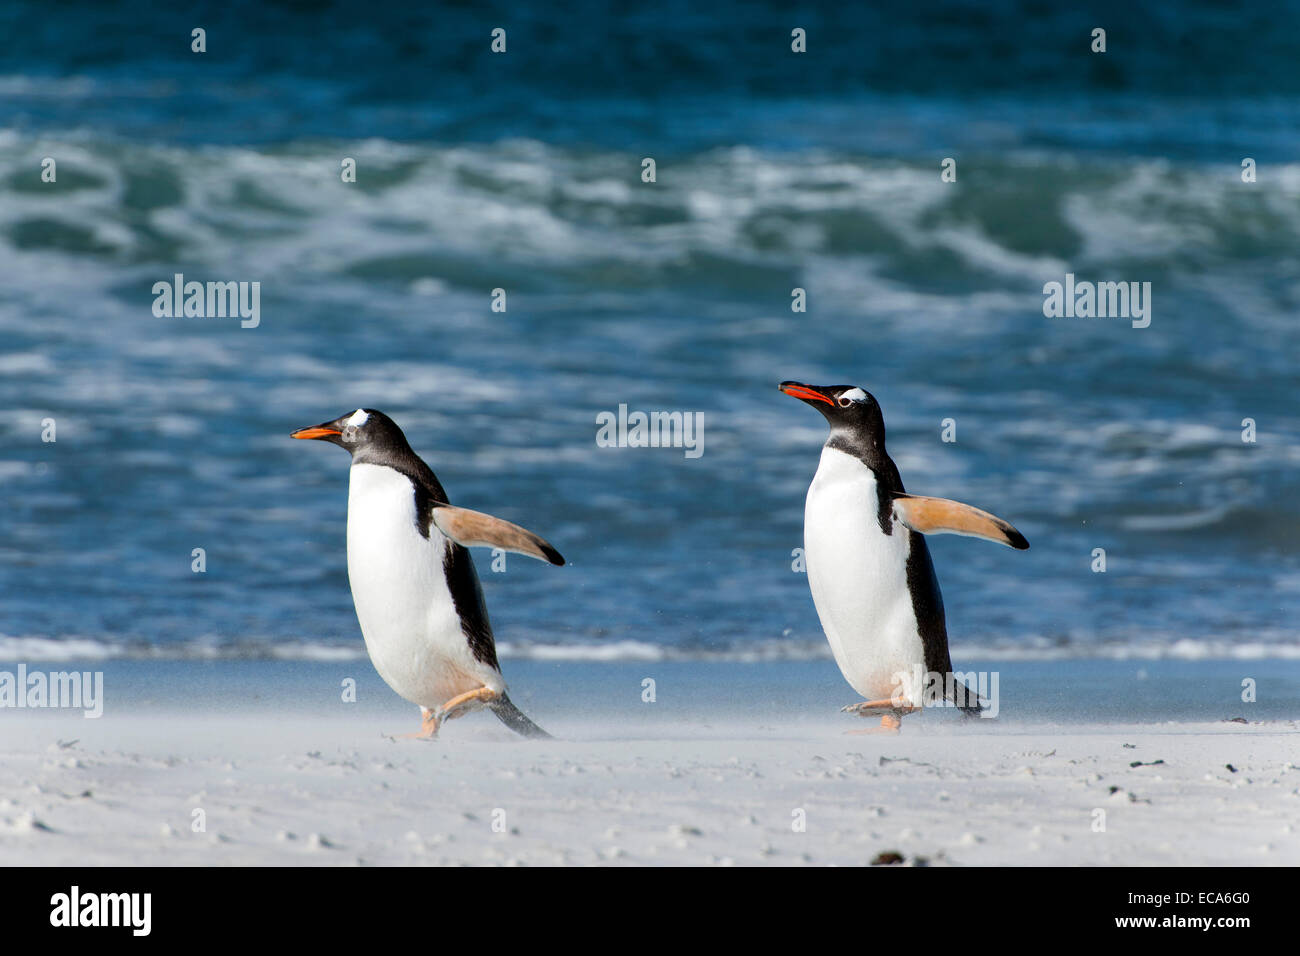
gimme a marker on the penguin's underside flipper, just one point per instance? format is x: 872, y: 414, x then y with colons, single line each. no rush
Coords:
x: 475, y: 529
x: 943, y: 516
x: 516, y: 719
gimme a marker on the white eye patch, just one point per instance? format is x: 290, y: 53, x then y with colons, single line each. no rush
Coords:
x: 359, y: 418
x: 853, y: 395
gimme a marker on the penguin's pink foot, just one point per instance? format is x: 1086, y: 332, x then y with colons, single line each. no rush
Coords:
x: 865, y: 705
x: 428, y: 727
x: 456, y: 706
x: 889, y: 724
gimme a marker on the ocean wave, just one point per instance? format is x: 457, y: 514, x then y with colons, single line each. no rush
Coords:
x: 75, y: 649
x: 425, y: 217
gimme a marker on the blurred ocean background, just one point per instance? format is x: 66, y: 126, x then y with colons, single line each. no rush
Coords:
x: 775, y: 171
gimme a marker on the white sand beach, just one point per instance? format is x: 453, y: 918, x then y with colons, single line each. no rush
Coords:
x: 282, y: 785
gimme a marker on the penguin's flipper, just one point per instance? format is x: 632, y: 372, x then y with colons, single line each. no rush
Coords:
x: 942, y: 516
x: 475, y: 529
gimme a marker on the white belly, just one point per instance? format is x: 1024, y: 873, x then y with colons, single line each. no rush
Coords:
x: 858, y: 577
x: 407, y: 615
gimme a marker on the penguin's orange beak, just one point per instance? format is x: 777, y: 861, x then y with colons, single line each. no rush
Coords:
x: 805, y: 392
x: 316, y: 431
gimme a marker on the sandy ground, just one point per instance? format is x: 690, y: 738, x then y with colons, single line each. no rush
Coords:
x: 332, y: 790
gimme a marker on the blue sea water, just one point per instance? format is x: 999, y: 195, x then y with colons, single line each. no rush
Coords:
x: 775, y: 170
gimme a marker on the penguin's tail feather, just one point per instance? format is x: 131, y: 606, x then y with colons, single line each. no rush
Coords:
x: 966, y: 699
x: 516, y: 719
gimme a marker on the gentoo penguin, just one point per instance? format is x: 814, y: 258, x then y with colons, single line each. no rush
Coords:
x: 413, y: 583
x: 868, y: 566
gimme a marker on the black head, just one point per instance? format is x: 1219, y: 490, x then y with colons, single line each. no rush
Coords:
x: 857, y: 426
x: 372, y: 438
x: 847, y: 408
x: 366, y: 432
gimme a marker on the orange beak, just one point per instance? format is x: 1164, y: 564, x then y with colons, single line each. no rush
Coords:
x: 796, y: 390
x: 315, y: 432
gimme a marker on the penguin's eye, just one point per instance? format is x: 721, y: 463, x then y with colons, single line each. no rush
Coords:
x: 844, y: 402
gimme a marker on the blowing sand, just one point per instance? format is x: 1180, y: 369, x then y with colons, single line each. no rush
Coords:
x: 334, y: 791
